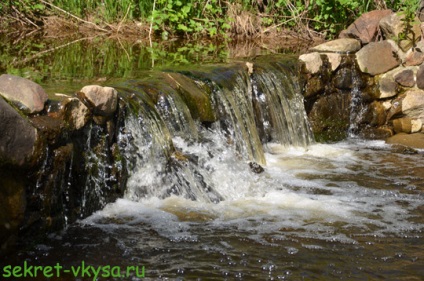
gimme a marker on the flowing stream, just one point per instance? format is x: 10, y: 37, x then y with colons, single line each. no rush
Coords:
x: 195, y: 209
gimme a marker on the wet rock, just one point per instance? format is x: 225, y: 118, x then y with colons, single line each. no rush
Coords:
x: 377, y: 58
x: 403, y: 149
x: 49, y: 129
x: 196, y: 99
x: 343, y: 79
x: 372, y: 133
x: 102, y: 100
x: 402, y: 125
x: 329, y: 117
x: 28, y: 96
x: 313, y: 62
x: 375, y: 114
x: 18, y: 138
x: 256, y: 168
x: 365, y: 27
x: 344, y: 45
x: 409, y: 140
x: 12, y: 207
x: 405, y: 77
x: 314, y: 86
x: 393, y: 25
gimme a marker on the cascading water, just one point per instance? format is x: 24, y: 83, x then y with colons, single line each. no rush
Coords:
x: 356, y: 107
x: 194, y: 210
x: 160, y: 124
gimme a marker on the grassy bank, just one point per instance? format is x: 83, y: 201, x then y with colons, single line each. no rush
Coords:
x: 193, y: 18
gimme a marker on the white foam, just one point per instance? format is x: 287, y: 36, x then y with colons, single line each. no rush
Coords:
x: 280, y: 198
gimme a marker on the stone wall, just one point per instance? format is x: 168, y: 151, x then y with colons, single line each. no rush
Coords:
x: 51, y: 152
x: 367, y: 83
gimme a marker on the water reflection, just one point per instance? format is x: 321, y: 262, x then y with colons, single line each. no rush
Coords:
x: 64, y: 65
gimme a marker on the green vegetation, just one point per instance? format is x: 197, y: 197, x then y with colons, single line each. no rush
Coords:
x: 408, y: 10
x: 210, y: 18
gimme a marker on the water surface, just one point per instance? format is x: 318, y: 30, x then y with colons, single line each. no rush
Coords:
x: 346, y: 211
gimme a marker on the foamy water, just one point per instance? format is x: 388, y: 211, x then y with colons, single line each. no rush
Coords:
x: 345, y: 211
x: 325, y: 191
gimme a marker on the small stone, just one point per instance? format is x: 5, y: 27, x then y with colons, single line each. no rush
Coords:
x: 249, y: 66
x: 76, y: 114
x: 420, y: 77
x: 387, y: 86
x: 414, y: 56
x: 387, y: 105
x: 103, y: 100
x: 343, y: 45
x: 334, y: 59
x: 416, y: 125
x: 313, y: 62
x: 256, y: 168
x: 405, y: 78
x: 402, y: 125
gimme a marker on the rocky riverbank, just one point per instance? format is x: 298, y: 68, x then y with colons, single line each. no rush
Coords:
x: 369, y: 82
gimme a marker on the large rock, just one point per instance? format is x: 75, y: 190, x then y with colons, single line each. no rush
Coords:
x: 18, y: 138
x: 365, y: 27
x: 377, y: 58
x: 28, y: 96
x: 12, y: 208
x: 344, y: 45
x: 410, y: 140
x: 329, y: 117
x: 102, y: 100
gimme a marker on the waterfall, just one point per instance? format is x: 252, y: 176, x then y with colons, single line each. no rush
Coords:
x: 174, y: 132
x: 356, y: 108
